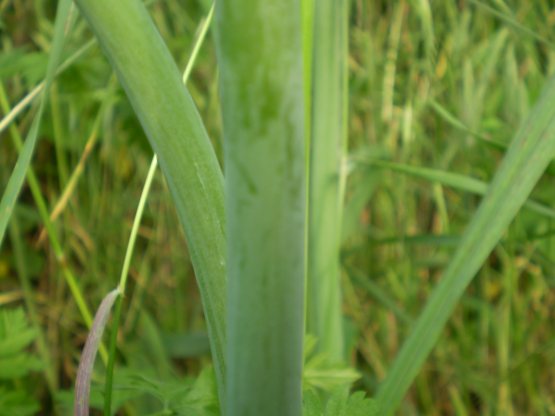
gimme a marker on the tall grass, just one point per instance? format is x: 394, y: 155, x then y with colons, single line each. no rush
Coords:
x: 22, y: 168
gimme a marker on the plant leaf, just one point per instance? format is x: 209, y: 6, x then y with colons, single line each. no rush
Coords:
x: 17, y: 402
x: 15, y: 336
x: 457, y: 181
x: 327, y: 174
x: 167, y: 113
x: 526, y: 159
x: 340, y: 403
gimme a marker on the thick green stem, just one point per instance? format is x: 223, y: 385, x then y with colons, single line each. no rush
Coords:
x: 261, y: 73
x: 327, y: 152
x: 148, y: 73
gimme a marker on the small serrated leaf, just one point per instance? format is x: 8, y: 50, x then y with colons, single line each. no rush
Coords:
x: 15, y: 336
x: 18, y: 365
x: 340, y: 403
x: 15, y: 333
x: 312, y: 404
x: 17, y: 403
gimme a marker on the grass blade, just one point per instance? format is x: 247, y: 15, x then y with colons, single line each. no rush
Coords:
x: 511, y: 21
x: 123, y: 283
x: 527, y: 157
x: 327, y: 176
x: 18, y: 175
x: 457, y: 181
x: 150, y: 77
x: 263, y: 120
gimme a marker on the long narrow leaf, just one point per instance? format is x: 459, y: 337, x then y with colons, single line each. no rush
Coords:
x: 455, y: 180
x: 150, y: 77
x: 524, y: 163
x: 327, y: 151
x: 204, y: 25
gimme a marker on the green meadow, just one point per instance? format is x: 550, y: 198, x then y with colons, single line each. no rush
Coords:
x: 277, y: 207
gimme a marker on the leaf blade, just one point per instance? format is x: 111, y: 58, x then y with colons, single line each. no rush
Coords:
x: 524, y: 163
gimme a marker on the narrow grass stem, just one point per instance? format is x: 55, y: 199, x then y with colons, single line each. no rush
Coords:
x: 122, y: 285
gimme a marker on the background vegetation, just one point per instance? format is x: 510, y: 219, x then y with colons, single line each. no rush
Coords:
x: 440, y: 85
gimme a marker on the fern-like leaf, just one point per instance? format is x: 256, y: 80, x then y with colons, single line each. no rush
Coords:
x: 15, y: 336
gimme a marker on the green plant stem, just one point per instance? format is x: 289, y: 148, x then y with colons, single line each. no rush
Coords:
x: 307, y: 12
x: 123, y: 283
x: 259, y: 49
x: 308, y: 40
x: 327, y: 176
x: 59, y: 137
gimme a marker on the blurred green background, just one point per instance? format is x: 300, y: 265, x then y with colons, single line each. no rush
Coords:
x: 437, y: 84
